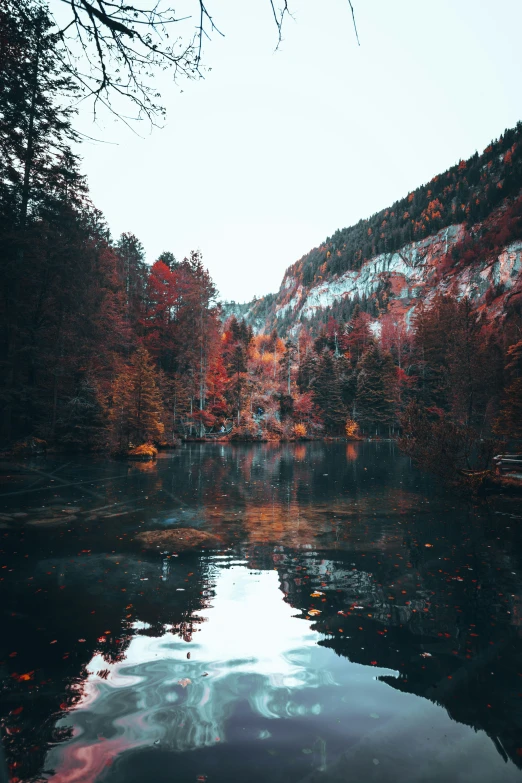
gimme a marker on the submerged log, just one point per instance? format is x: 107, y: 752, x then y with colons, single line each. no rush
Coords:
x: 180, y: 539
x: 29, y: 447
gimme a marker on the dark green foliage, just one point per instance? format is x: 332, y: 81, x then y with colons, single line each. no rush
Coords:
x: 307, y: 371
x: 286, y: 406
x: 327, y: 391
x: 83, y: 424
x: 376, y: 396
x: 443, y: 447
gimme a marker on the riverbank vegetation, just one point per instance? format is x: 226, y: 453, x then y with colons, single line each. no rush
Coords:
x: 101, y: 351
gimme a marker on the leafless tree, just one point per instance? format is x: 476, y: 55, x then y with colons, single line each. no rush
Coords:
x: 114, y: 48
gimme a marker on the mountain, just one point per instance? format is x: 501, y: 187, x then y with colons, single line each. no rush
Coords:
x: 460, y: 233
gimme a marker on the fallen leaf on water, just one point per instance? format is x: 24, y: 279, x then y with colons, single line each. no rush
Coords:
x: 428, y: 544
x: 317, y: 594
x: 184, y: 682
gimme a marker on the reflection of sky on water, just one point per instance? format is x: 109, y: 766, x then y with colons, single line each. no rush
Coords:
x: 417, y: 587
x: 252, y: 663
x: 248, y: 647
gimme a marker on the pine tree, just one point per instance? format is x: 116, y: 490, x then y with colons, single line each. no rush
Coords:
x: 376, y: 396
x: 83, y: 423
x: 146, y: 418
x: 121, y: 404
x: 328, y: 394
x: 286, y: 363
x: 134, y: 273
x: 237, y: 367
x: 358, y: 334
x: 136, y: 411
x: 307, y: 371
x: 509, y: 422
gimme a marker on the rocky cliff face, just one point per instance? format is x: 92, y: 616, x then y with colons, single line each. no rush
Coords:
x: 479, y: 258
x: 408, y: 276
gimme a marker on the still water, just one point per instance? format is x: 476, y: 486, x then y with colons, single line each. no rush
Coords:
x: 358, y: 623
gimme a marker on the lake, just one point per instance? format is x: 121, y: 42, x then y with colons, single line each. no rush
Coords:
x: 359, y: 622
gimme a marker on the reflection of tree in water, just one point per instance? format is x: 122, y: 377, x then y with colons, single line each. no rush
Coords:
x: 445, y: 617
x: 329, y: 521
x: 68, y: 612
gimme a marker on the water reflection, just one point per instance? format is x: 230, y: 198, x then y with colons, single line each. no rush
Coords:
x: 358, y: 623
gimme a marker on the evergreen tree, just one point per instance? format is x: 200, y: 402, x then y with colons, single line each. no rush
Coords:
x: 509, y: 422
x: 83, y: 423
x: 358, y: 334
x: 136, y: 411
x: 146, y: 412
x: 307, y: 371
x: 237, y: 368
x: 134, y: 273
x: 327, y: 393
x: 376, y: 396
x: 286, y: 363
x: 121, y: 404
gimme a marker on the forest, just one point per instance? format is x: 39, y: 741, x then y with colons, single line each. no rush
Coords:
x: 466, y: 193
x: 101, y: 351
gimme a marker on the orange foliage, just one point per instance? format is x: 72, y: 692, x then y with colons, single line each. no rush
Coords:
x: 351, y: 428
x: 300, y: 430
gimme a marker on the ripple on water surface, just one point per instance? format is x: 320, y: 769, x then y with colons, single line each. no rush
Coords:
x: 358, y: 623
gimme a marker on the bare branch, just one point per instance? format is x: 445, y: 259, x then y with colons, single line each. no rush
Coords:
x: 120, y: 45
x: 354, y: 24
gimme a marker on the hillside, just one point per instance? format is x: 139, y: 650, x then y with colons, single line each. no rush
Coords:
x: 461, y: 233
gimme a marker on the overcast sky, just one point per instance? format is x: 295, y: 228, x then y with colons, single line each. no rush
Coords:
x: 274, y: 151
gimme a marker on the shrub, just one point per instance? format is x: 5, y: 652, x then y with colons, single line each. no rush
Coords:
x: 248, y: 429
x: 299, y: 430
x: 144, y: 452
x: 351, y: 428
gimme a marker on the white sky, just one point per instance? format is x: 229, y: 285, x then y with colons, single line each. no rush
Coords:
x: 274, y: 151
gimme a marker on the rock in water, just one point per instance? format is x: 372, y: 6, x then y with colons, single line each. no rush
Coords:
x: 180, y: 539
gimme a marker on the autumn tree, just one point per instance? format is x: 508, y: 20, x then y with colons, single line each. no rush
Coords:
x: 358, y: 334
x: 135, y: 406
x: 134, y: 273
x: 237, y: 369
x: 286, y: 363
x: 509, y: 422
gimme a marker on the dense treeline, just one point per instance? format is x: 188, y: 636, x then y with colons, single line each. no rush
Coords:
x: 94, y: 342
x: 467, y: 193
x: 482, y: 193
x: 448, y: 374
x: 100, y: 350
